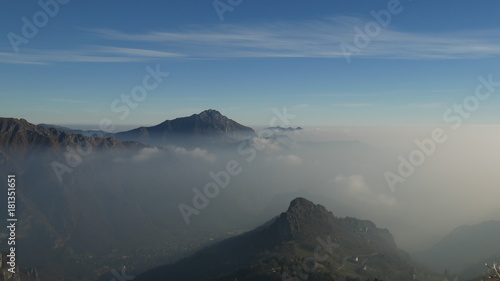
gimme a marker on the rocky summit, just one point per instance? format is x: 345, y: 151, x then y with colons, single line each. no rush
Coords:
x: 307, y: 242
x: 209, y: 125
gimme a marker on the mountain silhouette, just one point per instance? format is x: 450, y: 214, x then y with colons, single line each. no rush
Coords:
x: 207, y: 126
x: 464, y: 246
x: 19, y: 136
x: 305, y: 242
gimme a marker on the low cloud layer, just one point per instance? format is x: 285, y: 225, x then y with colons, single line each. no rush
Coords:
x: 241, y: 186
x: 195, y: 153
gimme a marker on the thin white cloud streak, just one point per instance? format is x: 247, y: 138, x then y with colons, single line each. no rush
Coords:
x: 427, y: 105
x: 136, y: 52
x: 67, y: 100
x: 341, y: 95
x: 305, y: 39
x: 98, y: 54
x: 319, y: 39
x: 353, y: 104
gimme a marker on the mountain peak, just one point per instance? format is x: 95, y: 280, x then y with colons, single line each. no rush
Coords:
x: 8, y: 123
x: 210, y: 112
x: 303, y: 232
x: 304, y: 208
x: 209, y: 124
x: 301, y: 202
x: 303, y: 217
x: 212, y: 116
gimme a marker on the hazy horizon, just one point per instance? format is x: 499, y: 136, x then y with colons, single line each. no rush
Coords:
x: 437, y: 198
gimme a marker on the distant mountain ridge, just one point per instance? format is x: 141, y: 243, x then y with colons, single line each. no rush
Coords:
x: 464, y: 246
x: 87, y: 133
x: 20, y: 136
x: 209, y: 125
x: 336, y: 249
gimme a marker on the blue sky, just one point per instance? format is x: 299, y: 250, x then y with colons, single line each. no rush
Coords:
x: 262, y: 55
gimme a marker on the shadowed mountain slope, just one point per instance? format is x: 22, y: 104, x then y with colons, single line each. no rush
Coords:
x: 305, y: 241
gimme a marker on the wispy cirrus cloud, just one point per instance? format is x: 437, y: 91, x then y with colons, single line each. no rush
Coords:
x: 427, y: 105
x: 94, y: 54
x: 133, y: 52
x: 318, y: 39
x: 352, y: 104
x: 67, y: 100
x: 279, y: 39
